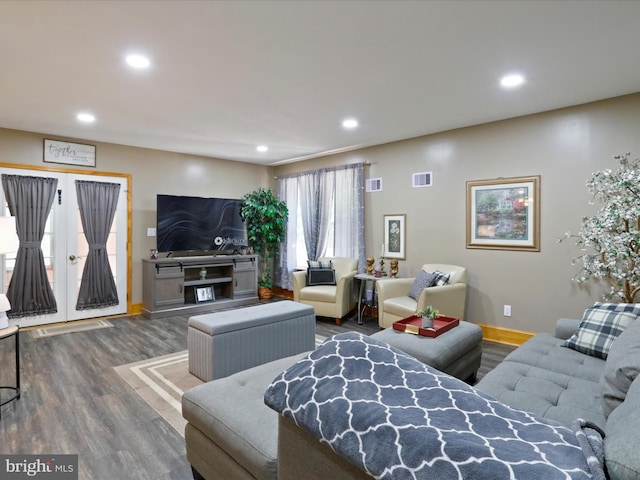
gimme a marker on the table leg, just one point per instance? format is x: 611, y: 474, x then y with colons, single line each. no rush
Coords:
x: 362, y: 283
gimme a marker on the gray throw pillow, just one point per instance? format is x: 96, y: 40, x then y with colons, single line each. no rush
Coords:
x: 423, y: 280
x: 621, y: 368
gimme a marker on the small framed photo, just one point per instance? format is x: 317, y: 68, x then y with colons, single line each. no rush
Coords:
x: 504, y: 214
x: 69, y: 153
x: 394, y: 236
x: 205, y: 294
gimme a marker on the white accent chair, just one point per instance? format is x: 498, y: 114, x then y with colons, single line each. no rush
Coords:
x: 333, y: 301
x: 395, y: 304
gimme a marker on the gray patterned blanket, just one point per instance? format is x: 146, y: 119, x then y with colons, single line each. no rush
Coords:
x: 397, y: 418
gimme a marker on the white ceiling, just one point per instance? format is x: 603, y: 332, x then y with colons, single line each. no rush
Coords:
x: 227, y: 76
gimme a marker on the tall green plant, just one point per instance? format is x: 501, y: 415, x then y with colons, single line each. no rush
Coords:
x: 266, y: 218
x: 610, y: 239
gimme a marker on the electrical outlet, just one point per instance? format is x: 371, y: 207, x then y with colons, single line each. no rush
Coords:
x: 507, y: 310
x: 151, y: 232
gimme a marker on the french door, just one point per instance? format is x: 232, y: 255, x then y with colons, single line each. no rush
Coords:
x: 65, y: 249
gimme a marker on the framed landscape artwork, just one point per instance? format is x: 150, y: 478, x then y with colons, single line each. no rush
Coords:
x: 394, y: 236
x: 504, y: 214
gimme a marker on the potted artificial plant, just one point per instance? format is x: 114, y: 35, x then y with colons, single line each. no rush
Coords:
x: 428, y: 314
x: 266, y: 219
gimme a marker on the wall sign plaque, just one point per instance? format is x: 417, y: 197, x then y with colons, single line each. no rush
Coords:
x: 69, y: 153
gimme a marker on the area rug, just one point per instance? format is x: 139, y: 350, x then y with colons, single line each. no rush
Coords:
x: 161, y: 381
x: 71, y: 327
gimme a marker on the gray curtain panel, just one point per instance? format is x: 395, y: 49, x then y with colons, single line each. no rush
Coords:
x: 29, y: 200
x: 97, y: 202
x: 321, y: 195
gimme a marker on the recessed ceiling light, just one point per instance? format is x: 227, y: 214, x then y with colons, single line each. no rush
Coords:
x: 262, y: 148
x: 138, y: 61
x: 86, y: 118
x: 512, y: 80
x: 350, y: 123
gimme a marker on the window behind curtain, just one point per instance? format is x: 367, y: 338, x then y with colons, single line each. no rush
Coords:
x: 345, y: 235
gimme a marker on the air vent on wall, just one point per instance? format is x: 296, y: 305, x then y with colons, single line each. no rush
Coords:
x: 374, y: 185
x: 422, y: 179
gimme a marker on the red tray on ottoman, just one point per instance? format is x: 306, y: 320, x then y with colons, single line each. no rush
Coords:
x: 413, y: 324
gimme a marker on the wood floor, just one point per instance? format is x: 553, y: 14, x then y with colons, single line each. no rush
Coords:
x: 73, y: 402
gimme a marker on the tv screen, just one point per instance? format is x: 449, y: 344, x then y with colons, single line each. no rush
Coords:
x: 199, y: 224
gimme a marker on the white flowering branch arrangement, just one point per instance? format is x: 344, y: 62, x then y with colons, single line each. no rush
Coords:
x: 610, y: 239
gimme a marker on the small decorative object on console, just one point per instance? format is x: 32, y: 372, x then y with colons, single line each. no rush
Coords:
x: 394, y: 268
x: 370, y: 262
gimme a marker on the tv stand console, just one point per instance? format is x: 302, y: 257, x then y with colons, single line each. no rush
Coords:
x: 187, y: 285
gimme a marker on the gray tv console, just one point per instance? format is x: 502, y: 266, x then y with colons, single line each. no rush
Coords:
x: 205, y: 283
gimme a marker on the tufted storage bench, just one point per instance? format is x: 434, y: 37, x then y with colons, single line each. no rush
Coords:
x: 549, y: 380
x: 223, y: 343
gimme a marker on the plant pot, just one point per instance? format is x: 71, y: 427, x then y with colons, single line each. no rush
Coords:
x: 265, y: 293
x: 427, y: 322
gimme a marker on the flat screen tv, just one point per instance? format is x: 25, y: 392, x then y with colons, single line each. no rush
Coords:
x: 187, y: 224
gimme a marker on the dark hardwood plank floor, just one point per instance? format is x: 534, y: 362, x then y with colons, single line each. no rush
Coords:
x: 74, y: 402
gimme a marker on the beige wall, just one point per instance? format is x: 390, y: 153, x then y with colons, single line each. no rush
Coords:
x: 152, y: 172
x: 564, y: 147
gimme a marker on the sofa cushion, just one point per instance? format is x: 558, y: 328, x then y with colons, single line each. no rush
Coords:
x: 542, y: 377
x: 230, y: 412
x: 623, y: 437
x: 423, y: 280
x: 621, y: 368
x: 598, y: 329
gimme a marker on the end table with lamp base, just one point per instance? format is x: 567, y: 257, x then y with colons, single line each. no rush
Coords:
x: 14, y: 391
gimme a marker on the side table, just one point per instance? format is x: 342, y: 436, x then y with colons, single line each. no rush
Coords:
x: 8, y: 332
x: 363, y: 278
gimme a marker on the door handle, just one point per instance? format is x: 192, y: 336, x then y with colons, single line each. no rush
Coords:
x: 72, y: 257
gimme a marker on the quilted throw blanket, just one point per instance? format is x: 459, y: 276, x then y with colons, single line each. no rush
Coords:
x: 397, y: 418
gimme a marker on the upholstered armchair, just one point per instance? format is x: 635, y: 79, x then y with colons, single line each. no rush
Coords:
x: 333, y: 301
x: 394, y: 302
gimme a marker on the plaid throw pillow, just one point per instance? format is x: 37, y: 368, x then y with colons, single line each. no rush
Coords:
x: 619, y: 307
x: 423, y: 280
x: 440, y: 279
x: 597, y: 331
x: 319, y: 263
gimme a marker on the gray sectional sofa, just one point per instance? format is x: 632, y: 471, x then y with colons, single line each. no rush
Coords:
x: 232, y: 434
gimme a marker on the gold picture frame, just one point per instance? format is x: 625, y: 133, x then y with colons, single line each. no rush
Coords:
x: 504, y: 214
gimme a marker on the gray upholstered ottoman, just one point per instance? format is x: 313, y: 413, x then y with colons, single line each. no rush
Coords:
x: 457, y: 352
x: 226, y: 342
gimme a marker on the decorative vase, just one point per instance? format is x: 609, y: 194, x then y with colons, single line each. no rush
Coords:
x: 203, y: 273
x: 265, y: 293
x: 427, y: 322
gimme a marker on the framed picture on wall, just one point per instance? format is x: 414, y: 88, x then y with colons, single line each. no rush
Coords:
x: 204, y: 294
x: 394, y: 236
x: 504, y: 214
